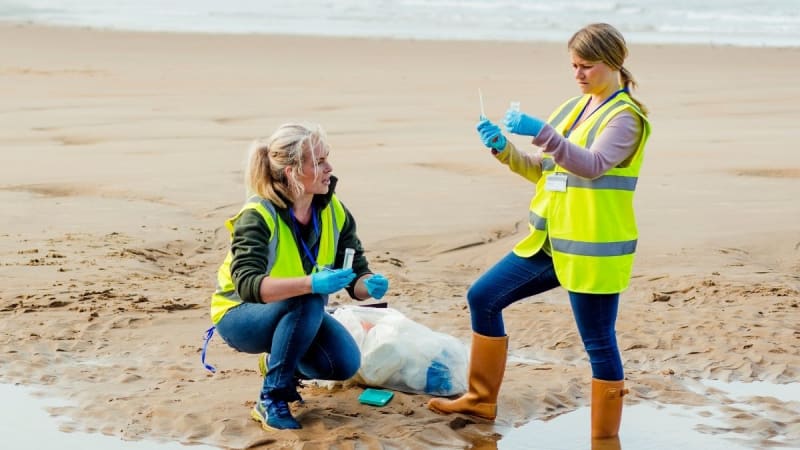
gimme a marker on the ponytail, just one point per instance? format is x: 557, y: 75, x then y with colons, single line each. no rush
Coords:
x: 629, y: 83
x: 262, y: 178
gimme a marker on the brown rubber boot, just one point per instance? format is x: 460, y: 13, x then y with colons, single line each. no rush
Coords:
x: 606, y: 407
x: 487, y: 364
x: 611, y: 443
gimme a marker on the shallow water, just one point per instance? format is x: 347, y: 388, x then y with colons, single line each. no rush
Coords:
x: 650, y: 425
x: 645, y: 427
x: 742, y: 391
x: 26, y: 425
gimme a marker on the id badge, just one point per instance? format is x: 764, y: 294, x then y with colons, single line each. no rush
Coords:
x: 556, y: 182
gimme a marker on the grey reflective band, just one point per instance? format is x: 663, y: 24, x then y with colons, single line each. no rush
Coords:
x: 593, y: 132
x: 616, y: 182
x: 335, y: 231
x: 564, y: 111
x: 272, y: 245
x: 538, y: 222
x: 593, y: 248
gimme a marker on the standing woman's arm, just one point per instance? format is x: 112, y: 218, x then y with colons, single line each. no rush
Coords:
x: 618, y: 141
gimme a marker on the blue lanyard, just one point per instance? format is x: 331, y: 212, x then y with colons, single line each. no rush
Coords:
x: 575, y: 123
x: 312, y: 257
x: 209, y: 335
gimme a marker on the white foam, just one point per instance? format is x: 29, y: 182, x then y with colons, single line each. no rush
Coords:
x: 739, y: 22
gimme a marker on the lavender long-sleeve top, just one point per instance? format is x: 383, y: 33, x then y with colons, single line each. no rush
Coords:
x: 615, y: 145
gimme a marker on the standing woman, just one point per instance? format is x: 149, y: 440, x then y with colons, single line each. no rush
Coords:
x: 274, y: 283
x: 582, y: 230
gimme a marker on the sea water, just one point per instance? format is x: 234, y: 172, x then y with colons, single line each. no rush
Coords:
x: 773, y: 23
x: 25, y: 424
x: 654, y: 425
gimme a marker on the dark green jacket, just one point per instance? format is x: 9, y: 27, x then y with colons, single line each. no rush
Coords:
x: 250, y: 251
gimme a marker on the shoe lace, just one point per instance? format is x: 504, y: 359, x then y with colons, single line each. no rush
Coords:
x: 280, y: 408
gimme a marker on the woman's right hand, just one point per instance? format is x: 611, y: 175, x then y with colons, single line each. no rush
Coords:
x: 329, y: 281
x: 491, y: 135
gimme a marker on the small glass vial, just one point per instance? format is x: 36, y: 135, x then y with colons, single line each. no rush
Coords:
x: 514, y: 106
x: 348, y: 258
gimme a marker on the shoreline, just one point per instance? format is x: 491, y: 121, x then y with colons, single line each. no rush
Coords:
x: 795, y: 46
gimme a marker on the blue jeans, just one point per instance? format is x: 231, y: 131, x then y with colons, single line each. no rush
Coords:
x: 514, y: 278
x: 299, y: 336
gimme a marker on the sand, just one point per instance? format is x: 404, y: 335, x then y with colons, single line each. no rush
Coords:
x: 122, y: 155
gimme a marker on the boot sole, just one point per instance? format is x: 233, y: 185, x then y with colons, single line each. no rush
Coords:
x: 443, y: 412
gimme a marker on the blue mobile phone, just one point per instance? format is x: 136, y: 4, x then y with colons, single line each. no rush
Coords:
x: 375, y: 397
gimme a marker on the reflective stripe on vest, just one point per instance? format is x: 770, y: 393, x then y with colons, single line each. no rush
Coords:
x: 591, y: 227
x: 284, y: 259
x: 625, y: 183
x: 537, y: 222
x: 593, y: 248
x: 563, y: 111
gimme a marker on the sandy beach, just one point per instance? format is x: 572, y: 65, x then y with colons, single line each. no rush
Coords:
x: 122, y: 156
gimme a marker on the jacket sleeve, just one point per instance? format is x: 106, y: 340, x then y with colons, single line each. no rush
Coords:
x: 249, y: 247
x: 348, y: 238
x: 528, y: 165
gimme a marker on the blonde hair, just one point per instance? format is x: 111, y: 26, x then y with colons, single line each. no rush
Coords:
x: 268, y: 159
x: 604, y: 43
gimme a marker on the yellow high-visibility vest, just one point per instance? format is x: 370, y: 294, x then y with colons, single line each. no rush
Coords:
x: 285, y: 260
x: 590, y: 226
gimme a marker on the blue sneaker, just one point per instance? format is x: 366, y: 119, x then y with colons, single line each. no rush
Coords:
x: 274, y: 415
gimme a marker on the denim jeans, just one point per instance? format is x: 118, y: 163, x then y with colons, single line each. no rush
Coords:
x: 299, y: 336
x: 514, y: 278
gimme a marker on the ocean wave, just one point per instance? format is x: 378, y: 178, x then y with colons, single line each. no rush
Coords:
x: 737, y: 22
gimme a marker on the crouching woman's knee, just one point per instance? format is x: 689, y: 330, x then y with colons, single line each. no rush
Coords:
x: 350, y: 365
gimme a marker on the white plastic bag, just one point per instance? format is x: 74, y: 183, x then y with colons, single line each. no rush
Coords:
x: 398, y: 353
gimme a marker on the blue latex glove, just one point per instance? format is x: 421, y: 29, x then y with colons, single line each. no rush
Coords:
x: 521, y: 123
x: 491, y: 135
x: 329, y: 281
x: 376, y: 285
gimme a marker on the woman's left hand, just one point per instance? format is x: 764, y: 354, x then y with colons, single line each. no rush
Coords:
x: 377, y: 285
x: 521, y: 123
